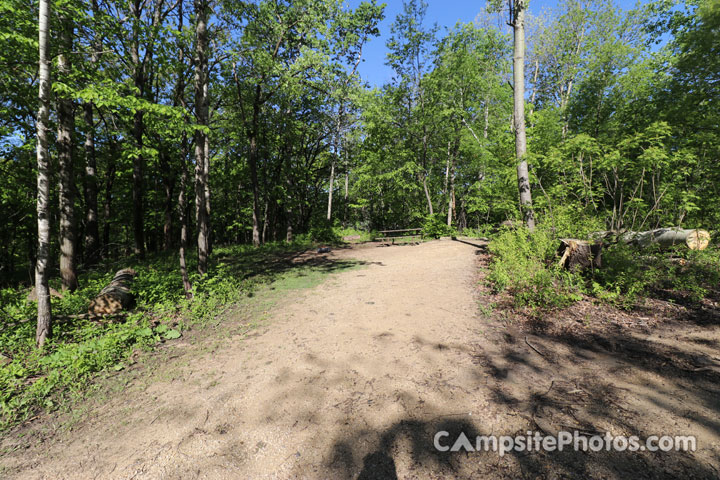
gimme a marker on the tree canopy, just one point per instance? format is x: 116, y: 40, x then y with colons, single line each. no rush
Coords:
x: 249, y: 122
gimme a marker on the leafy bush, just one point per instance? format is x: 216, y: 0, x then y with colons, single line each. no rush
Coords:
x: 435, y: 227
x: 571, y: 221
x: 484, y: 231
x: 522, y: 264
x: 322, y: 231
x: 630, y: 273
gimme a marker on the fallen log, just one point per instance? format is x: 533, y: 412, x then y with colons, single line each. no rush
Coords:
x: 694, y: 239
x: 579, y: 254
x: 116, y: 296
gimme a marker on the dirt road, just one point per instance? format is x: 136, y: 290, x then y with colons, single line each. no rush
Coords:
x: 361, y: 362
x: 353, y: 379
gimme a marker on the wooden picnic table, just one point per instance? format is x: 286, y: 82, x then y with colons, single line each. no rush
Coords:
x: 391, y: 235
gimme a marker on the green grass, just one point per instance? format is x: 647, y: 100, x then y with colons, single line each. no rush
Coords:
x: 361, y: 235
x: 310, y: 277
x: 32, y: 381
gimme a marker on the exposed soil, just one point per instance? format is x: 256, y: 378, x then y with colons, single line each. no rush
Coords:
x: 353, y: 378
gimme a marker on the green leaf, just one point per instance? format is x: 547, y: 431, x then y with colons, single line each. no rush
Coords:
x: 172, y: 334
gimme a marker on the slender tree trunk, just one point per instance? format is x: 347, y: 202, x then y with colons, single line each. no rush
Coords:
x: 206, y: 168
x: 201, y: 145
x: 138, y: 188
x: 253, y: 158
x: 450, y: 174
x: 184, y: 175
x: 335, y: 158
x: 92, y: 234
x: 447, y: 174
x: 182, y: 213
x: 168, y: 180
x: 519, y: 113
x: 289, y: 230
x: 138, y: 130
x: 265, y: 221
x: 330, y: 189
x: 347, y: 184
x: 44, y: 311
x: 486, y: 117
x: 66, y: 127
x: 427, y: 195
x: 451, y: 194
x: 107, y: 204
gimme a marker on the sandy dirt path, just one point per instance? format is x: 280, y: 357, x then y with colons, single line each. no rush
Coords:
x: 350, y: 380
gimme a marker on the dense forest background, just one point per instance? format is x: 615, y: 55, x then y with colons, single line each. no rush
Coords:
x: 256, y: 114
x: 192, y: 141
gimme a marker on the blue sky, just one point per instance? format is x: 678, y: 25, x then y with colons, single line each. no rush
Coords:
x: 446, y: 13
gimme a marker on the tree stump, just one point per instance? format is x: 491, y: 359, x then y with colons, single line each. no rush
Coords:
x: 579, y: 254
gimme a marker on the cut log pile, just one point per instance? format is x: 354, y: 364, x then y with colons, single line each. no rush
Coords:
x: 116, y: 296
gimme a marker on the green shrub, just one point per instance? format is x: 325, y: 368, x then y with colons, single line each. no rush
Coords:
x: 629, y: 273
x: 435, y: 227
x: 523, y: 264
x: 322, y: 231
x: 571, y: 221
x: 484, y: 231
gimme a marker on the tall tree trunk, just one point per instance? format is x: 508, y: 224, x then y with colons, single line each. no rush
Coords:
x: 451, y: 194
x: 201, y: 145
x: 450, y: 175
x: 486, y: 115
x: 519, y: 112
x: 266, y: 222
x: 447, y: 170
x: 289, y: 230
x: 347, y: 183
x: 138, y: 188
x: 330, y: 189
x: 427, y: 194
x: 206, y: 168
x: 182, y: 213
x: 66, y: 127
x: 92, y: 234
x: 253, y: 159
x: 168, y: 180
x: 335, y: 158
x: 184, y: 175
x: 138, y: 130
x: 44, y: 311
x: 107, y: 204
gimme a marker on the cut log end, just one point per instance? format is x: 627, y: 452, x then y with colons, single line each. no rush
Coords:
x: 116, y: 296
x: 579, y: 254
x: 698, y: 240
